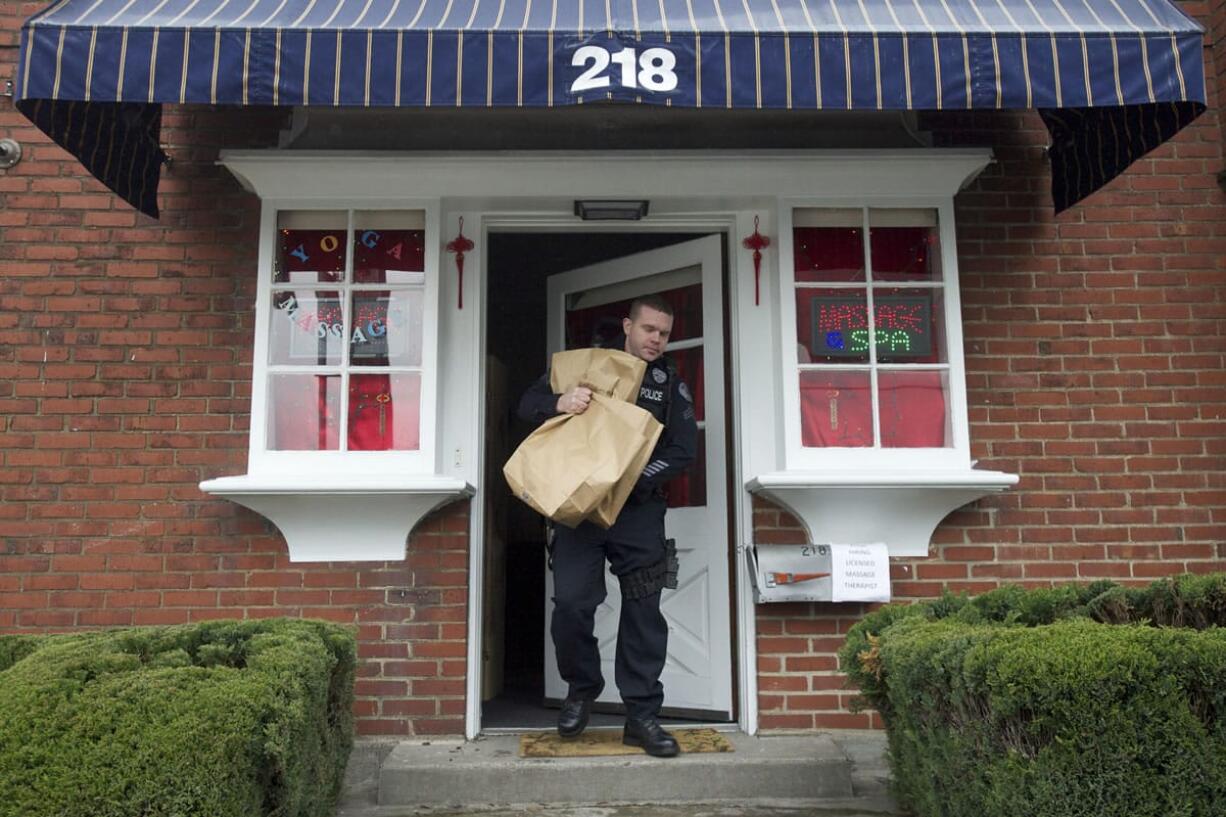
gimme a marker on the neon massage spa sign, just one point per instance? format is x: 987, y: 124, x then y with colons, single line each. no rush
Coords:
x: 902, y: 324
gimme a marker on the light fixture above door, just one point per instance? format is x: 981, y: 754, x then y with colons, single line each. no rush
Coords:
x: 611, y: 209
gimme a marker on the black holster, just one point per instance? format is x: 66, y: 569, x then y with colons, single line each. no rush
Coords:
x: 645, y: 581
x: 671, y: 564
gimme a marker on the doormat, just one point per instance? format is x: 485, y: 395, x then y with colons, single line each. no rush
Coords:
x: 599, y: 742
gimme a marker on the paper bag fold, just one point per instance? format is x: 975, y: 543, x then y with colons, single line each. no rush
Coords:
x: 583, y: 467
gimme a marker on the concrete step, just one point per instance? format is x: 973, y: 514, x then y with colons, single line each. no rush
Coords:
x: 441, y: 773
x: 856, y: 807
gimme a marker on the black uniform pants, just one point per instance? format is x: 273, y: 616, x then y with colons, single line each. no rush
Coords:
x: 635, y: 541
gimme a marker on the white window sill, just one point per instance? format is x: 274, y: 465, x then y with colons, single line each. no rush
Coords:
x: 328, y: 518
x: 900, y: 508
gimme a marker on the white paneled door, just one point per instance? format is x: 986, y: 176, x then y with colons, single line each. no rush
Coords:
x: 586, y: 304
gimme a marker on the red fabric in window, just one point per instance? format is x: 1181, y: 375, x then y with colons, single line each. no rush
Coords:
x: 313, y: 250
x: 302, y: 419
x: 371, y: 412
x: 912, y: 409
x: 828, y: 253
x: 690, y: 370
x: 837, y: 253
x: 849, y: 424
x: 902, y: 252
x: 376, y: 251
x: 595, y: 325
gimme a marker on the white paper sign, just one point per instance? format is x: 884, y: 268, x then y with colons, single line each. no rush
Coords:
x: 860, y: 572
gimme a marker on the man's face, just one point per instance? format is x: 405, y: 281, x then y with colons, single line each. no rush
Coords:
x: 647, y: 333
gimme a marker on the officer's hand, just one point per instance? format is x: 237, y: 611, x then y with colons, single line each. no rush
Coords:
x: 575, y: 401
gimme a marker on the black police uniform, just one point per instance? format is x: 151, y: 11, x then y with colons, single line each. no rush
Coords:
x: 635, y: 548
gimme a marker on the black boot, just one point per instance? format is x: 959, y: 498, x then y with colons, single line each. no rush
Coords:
x: 648, y: 734
x: 572, y: 720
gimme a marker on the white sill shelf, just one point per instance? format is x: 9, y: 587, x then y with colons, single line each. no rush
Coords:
x: 901, y: 508
x: 327, y: 518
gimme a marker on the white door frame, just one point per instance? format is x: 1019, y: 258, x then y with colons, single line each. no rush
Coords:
x: 721, y: 190
x: 728, y: 223
x: 634, y: 274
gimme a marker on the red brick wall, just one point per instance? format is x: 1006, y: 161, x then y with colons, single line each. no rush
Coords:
x: 799, y: 682
x: 125, y: 349
x: 1096, y: 370
x: 1214, y: 21
x: 1095, y: 366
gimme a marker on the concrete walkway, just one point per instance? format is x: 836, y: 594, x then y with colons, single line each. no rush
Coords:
x: 837, y: 774
x: 835, y: 808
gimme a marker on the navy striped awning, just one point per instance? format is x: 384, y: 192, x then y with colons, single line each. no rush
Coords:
x: 1111, y: 78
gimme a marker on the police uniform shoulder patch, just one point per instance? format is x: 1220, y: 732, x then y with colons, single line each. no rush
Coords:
x: 684, y: 390
x: 659, y: 374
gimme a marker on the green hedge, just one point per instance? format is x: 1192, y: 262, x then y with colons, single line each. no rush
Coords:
x: 221, y: 718
x: 1097, y: 700
x: 13, y: 648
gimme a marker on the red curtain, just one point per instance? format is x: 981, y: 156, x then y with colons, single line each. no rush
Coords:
x: 912, y: 409
x: 837, y: 253
x: 371, y: 412
x: 836, y: 410
x: 312, y: 251
x: 376, y: 251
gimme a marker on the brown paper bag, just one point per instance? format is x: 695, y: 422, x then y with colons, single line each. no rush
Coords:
x: 577, y: 467
x: 622, y: 374
x: 605, y: 513
x: 605, y: 371
x: 572, y: 464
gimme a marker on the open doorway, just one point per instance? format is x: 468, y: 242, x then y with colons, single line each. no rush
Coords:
x: 516, y: 663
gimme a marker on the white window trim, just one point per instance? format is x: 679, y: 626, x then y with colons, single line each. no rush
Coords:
x: 897, y: 496
x: 346, y: 463
x: 344, y: 505
x: 900, y: 510
x: 800, y: 458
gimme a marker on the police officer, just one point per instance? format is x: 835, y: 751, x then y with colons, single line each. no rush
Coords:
x: 634, y: 546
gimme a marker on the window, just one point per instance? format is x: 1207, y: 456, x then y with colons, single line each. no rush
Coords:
x: 875, y: 422
x: 872, y: 336
x: 345, y: 369
x: 342, y: 456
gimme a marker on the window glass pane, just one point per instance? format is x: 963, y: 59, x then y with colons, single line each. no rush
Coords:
x: 689, y: 369
x: 904, y: 245
x: 835, y: 409
x: 914, y: 409
x: 690, y: 489
x: 303, y: 412
x: 389, y: 247
x: 385, y: 412
x: 306, y: 328
x: 831, y: 325
x: 910, y: 325
x: 310, y: 247
x: 387, y: 327
x: 687, y: 311
x: 828, y: 245
x: 591, y: 320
